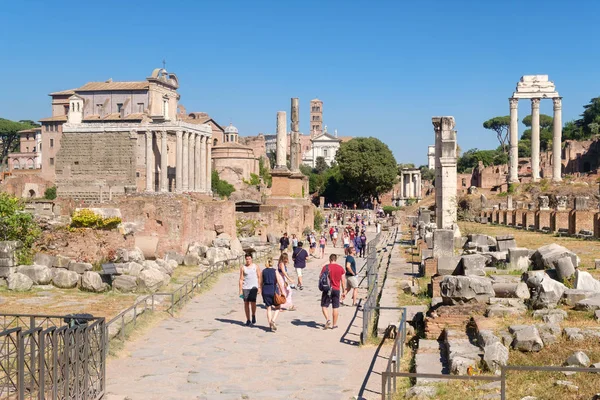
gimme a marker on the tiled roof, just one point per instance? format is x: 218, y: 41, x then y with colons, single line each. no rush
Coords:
x: 56, y: 118
x: 32, y: 130
x: 64, y: 92
x: 93, y: 86
x: 114, y: 117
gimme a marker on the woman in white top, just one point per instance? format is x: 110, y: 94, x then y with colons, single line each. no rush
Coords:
x: 250, y: 284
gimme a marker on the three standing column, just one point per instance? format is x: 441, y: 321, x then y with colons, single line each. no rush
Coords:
x: 514, y: 141
x: 179, y: 162
x: 164, y: 161
x: 184, y: 154
x: 557, y: 140
x: 190, y: 155
x: 149, y: 163
x: 535, y: 139
x: 208, y: 165
x: 202, y: 169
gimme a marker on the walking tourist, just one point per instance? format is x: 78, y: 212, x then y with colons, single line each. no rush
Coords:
x: 294, y: 242
x: 334, y: 237
x: 299, y: 256
x: 351, y: 278
x: 313, y: 243
x: 346, y: 239
x: 331, y: 297
x: 357, y: 244
x: 284, y: 242
x: 322, y: 243
x: 363, y: 243
x: 288, y: 283
x: 250, y: 277
x: 271, y: 283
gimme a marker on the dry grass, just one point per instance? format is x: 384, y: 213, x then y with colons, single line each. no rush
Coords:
x: 587, y: 250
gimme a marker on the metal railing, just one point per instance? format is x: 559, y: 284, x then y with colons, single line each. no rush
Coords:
x: 388, y: 381
x: 369, y: 306
x: 42, y: 357
x: 177, y: 298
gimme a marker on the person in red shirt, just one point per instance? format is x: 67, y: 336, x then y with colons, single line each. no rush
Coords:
x: 336, y: 274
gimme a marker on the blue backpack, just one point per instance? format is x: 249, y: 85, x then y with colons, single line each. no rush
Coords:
x: 325, y: 281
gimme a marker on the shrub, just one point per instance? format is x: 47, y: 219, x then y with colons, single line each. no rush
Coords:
x: 390, y: 209
x: 318, y: 224
x: 221, y: 187
x: 86, y: 218
x: 16, y: 224
x: 50, y: 193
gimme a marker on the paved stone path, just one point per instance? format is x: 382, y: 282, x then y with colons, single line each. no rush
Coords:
x: 206, y: 352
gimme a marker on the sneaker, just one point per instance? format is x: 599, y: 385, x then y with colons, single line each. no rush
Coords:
x: 292, y: 286
x: 273, y: 327
x: 253, y: 319
x: 300, y: 287
x: 248, y: 323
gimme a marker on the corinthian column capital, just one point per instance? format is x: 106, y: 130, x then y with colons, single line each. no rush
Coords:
x: 535, y: 103
x: 514, y: 103
x: 557, y: 103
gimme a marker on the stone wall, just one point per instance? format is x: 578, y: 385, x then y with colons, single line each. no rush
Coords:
x: 26, y: 184
x: 277, y: 219
x: 87, y: 161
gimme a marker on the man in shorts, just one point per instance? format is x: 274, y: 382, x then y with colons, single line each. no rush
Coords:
x: 299, y: 256
x: 284, y: 243
x: 351, y: 278
x: 332, y: 298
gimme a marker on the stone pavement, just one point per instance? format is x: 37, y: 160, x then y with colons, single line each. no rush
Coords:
x: 206, y: 352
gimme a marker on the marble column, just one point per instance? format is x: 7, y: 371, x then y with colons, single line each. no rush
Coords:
x: 445, y: 186
x: 535, y: 139
x: 185, y: 173
x: 197, y: 163
x: 202, y: 169
x: 557, y: 140
x: 209, y: 165
x: 179, y: 162
x: 164, y: 161
x: 514, y: 141
x: 191, y: 167
x: 149, y: 163
x: 281, y: 141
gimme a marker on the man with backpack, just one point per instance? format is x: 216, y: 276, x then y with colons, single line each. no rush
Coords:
x: 299, y: 256
x: 332, y: 287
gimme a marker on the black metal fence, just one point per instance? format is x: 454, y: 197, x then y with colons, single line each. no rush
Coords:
x: 45, y: 357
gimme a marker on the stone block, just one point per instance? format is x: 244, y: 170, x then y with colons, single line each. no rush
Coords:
x: 473, y: 265
x: 92, y: 282
x: 495, y: 356
x: 589, y: 304
x: 578, y: 359
x: 466, y: 289
x: 61, y: 262
x: 564, y: 268
x: 547, y: 291
x: 44, y: 259
x: 5, y: 272
x: 39, y: 274
x: 527, y: 339
x: 585, y: 281
x: 547, y: 256
x: 572, y: 296
x: 173, y: 255
x: 516, y: 290
x: 430, y: 267
x: 125, y: 283
x: 65, y: 279
x: 443, y: 242
x: 581, y: 203
x: 7, y: 262
x: 518, y: 259
x: 448, y: 265
x: 80, y: 268
x: 151, y: 280
x: 505, y: 242
x: 19, y: 282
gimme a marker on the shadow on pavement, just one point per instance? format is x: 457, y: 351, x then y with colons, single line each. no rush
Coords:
x: 344, y: 339
x: 370, y: 372
x: 310, y: 324
x: 242, y: 324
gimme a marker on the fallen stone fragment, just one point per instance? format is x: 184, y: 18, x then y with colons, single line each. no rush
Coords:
x: 421, y: 392
x: 125, y: 283
x: 527, y: 339
x: 550, y: 316
x: 573, y: 334
x: 547, y: 293
x: 65, y: 279
x: 578, y: 359
x: 589, y: 304
x: 568, y: 384
x: 546, y: 256
x: 39, y: 274
x: 19, y: 282
x: 495, y: 355
x: 473, y: 265
x: 572, y: 296
x: 466, y: 289
x: 92, y: 282
x: 564, y: 268
x: 549, y: 333
x: 584, y: 280
x: 511, y: 290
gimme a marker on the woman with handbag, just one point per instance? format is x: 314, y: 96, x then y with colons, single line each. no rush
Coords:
x: 272, y: 293
x: 288, y: 282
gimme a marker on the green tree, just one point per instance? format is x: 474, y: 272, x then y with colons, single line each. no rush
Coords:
x: 405, y: 165
x: 591, y: 115
x: 221, y: 187
x: 572, y: 131
x: 426, y: 173
x: 50, y: 193
x: 9, y: 138
x: 16, y: 224
x: 264, y: 172
x: 471, y: 158
x: 320, y: 165
x: 500, y: 125
x: 368, y: 166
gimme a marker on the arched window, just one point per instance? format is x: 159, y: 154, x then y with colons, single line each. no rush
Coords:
x: 16, y: 164
x: 31, y: 193
x: 215, y: 141
x: 325, y: 153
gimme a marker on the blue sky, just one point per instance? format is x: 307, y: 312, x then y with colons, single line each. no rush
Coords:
x: 382, y: 68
